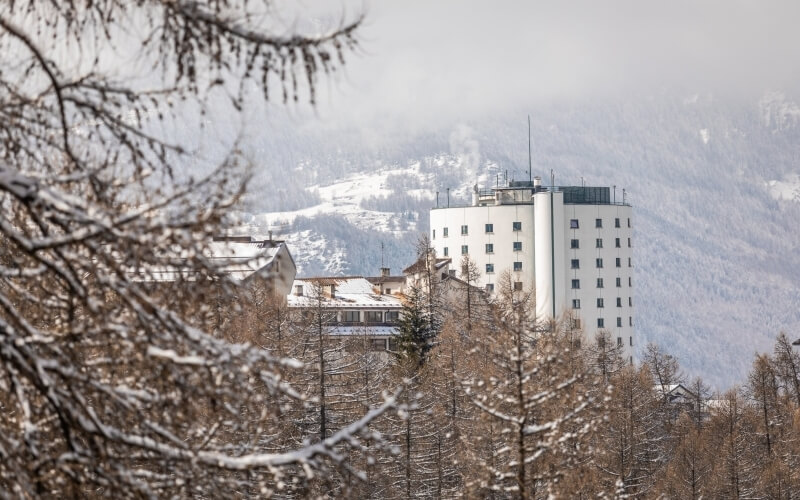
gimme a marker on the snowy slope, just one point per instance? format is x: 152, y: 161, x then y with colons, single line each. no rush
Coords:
x: 714, y: 187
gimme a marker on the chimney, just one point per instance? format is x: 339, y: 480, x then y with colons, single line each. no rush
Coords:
x: 385, y: 272
x: 537, y: 182
x: 331, y: 289
x: 298, y: 290
x: 270, y: 235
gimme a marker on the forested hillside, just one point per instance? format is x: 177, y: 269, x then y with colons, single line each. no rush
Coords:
x: 712, y: 180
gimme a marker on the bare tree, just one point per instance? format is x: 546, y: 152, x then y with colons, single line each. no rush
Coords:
x: 104, y: 388
x: 530, y: 394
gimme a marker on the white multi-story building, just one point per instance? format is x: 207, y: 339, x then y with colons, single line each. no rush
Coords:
x: 571, y: 244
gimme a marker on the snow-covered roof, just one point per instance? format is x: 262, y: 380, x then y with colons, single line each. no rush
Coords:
x: 239, y: 260
x: 419, y: 265
x: 349, y: 293
x: 237, y: 257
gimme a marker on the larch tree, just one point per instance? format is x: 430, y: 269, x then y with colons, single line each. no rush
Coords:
x: 104, y: 388
x: 528, y: 394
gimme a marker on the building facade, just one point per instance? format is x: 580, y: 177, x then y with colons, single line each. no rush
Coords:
x: 572, y: 245
x: 352, y: 307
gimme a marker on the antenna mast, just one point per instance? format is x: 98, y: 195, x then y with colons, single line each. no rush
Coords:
x: 530, y: 170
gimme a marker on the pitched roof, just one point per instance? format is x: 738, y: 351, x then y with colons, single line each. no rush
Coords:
x: 419, y: 265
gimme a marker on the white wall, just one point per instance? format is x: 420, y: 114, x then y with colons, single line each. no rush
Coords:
x: 502, y: 218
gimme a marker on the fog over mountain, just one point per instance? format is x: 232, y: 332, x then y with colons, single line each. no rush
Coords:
x: 692, y: 107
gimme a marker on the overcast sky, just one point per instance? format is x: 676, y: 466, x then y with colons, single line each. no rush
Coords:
x: 424, y: 61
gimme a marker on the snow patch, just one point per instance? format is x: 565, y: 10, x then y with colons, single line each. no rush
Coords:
x: 787, y: 189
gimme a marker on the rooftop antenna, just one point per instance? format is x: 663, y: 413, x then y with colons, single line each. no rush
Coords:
x: 448, y: 197
x: 530, y: 170
x: 552, y: 179
x: 382, y: 266
x: 437, y: 199
x: 615, y: 194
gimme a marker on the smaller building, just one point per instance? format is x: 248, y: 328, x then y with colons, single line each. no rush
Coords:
x: 353, y: 306
x: 241, y: 258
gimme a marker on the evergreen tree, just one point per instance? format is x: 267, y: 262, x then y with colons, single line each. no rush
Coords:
x: 416, y: 333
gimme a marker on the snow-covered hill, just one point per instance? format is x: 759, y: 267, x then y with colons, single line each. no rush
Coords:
x: 714, y: 187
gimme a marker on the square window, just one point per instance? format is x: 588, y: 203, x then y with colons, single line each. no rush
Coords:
x: 617, y: 243
x: 599, y: 282
x: 598, y: 243
x: 489, y: 228
x: 619, y: 324
x: 575, y: 324
x: 517, y: 266
x: 351, y: 316
x: 575, y: 264
x: 489, y: 268
x: 601, y: 323
x: 517, y: 246
x: 373, y: 316
x: 619, y: 282
x: 489, y: 287
x: 446, y: 251
x: 574, y: 244
x: 464, y: 249
x: 619, y: 341
x: 576, y: 284
x: 573, y: 223
x: 576, y: 303
x: 444, y: 232
x: 619, y: 301
x: 616, y: 222
x: 517, y: 286
x: 619, y: 262
x: 392, y: 316
x: 598, y: 223
x: 600, y: 302
x: 598, y: 263
x: 516, y: 226
x: 464, y: 230
x: 490, y: 248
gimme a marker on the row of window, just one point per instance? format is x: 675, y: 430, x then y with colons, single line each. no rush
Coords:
x: 598, y: 243
x: 575, y: 224
x: 576, y: 303
x: 488, y: 229
x: 370, y: 316
x: 601, y: 323
x: 576, y: 283
x: 517, y: 226
x: 517, y: 247
x: 576, y: 263
x: 490, y: 267
x: 517, y: 287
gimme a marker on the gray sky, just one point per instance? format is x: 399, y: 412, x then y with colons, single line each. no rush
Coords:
x: 425, y: 61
